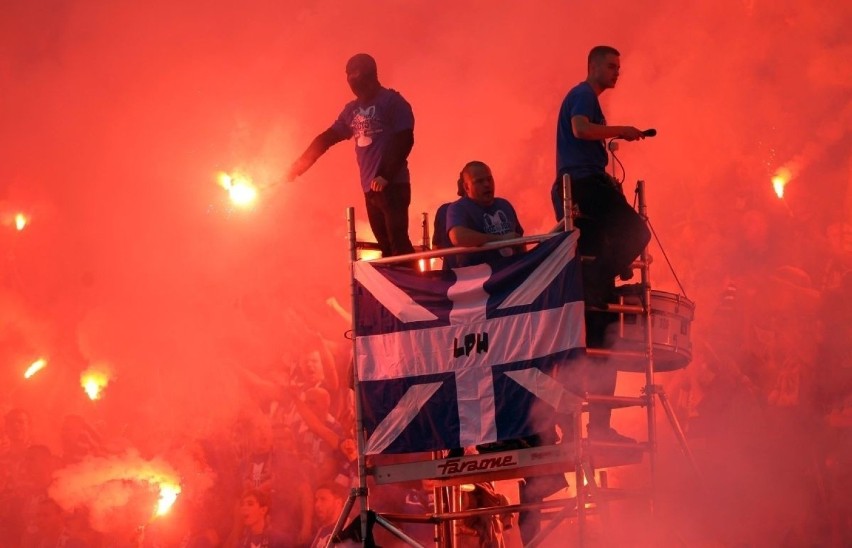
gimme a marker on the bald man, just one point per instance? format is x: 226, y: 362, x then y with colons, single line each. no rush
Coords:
x: 480, y: 217
x: 382, y: 124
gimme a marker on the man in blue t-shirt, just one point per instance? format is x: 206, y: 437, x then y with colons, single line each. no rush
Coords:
x: 382, y: 125
x: 479, y: 217
x: 610, y: 229
x: 475, y: 219
x: 440, y: 238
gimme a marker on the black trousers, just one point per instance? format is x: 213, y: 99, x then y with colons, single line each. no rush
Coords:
x: 387, y: 212
x: 614, y: 233
x: 610, y: 229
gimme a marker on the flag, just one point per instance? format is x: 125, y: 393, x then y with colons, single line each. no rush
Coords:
x: 458, y: 358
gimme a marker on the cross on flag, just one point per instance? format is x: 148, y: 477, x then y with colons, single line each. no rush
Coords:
x: 458, y: 358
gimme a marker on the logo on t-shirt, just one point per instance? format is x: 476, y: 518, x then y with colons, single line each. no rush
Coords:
x: 362, y: 125
x: 498, y: 223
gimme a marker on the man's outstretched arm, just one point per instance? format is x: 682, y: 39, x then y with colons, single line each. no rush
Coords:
x: 317, y: 148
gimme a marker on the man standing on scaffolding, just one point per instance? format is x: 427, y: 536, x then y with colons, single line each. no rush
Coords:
x: 382, y: 124
x: 611, y: 232
x: 610, y: 229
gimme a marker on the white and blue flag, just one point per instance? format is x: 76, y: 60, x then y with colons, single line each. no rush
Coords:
x: 458, y: 358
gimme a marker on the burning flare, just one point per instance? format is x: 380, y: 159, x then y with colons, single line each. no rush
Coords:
x: 240, y: 188
x: 168, y: 495
x: 21, y: 221
x: 110, y: 486
x: 93, y: 382
x: 36, y: 366
x: 780, y: 180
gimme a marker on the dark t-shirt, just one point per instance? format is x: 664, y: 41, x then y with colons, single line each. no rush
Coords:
x: 321, y: 538
x: 440, y: 238
x: 372, y: 123
x: 498, y: 218
x: 579, y: 157
x: 268, y: 539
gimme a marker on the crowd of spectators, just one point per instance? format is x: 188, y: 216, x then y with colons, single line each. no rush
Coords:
x: 278, y: 475
x: 769, y: 355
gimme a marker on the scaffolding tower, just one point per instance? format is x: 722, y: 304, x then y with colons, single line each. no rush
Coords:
x: 657, y: 321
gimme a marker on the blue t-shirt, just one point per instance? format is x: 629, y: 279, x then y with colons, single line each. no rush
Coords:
x: 579, y: 157
x: 267, y: 539
x: 498, y: 218
x: 372, y: 124
x: 440, y: 238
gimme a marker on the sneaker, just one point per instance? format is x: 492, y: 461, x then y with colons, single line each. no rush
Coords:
x: 540, y: 487
x: 608, y: 435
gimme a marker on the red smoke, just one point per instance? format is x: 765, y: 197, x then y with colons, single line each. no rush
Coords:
x: 117, y: 118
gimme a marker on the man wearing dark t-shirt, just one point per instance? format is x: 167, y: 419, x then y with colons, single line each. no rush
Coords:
x: 382, y: 125
x: 329, y: 499
x: 475, y: 219
x: 479, y: 217
x: 610, y: 229
x: 256, y: 531
x: 440, y: 238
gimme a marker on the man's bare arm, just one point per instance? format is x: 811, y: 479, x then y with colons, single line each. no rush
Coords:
x: 467, y: 237
x: 586, y: 130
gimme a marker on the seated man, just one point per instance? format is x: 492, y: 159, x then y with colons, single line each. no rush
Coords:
x: 479, y: 217
x: 475, y: 219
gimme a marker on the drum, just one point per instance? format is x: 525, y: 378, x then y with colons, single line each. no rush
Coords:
x: 671, y: 322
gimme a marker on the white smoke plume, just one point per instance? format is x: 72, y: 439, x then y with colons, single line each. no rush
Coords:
x: 118, y: 491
